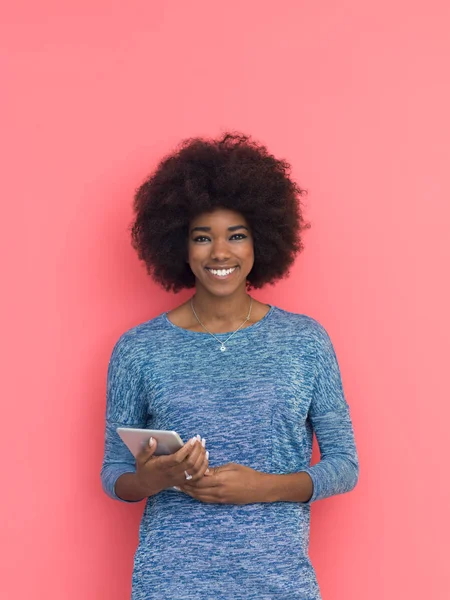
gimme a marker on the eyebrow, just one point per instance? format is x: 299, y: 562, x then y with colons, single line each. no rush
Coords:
x: 232, y: 228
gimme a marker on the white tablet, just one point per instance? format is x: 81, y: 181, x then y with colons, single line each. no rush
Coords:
x: 168, y: 442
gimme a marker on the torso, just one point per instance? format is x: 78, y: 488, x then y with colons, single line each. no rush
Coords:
x: 251, y: 404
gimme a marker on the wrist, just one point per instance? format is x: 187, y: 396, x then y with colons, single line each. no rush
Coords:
x: 291, y: 487
x: 268, y: 488
x: 148, y: 488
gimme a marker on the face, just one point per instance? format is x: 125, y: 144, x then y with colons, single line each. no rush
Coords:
x: 220, y: 251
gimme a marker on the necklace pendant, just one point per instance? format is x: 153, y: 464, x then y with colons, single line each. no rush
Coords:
x: 223, y: 348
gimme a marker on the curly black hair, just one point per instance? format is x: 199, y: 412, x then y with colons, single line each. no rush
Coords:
x: 233, y: 172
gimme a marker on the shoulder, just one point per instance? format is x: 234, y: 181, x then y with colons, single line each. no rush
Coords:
x: 299, y: 322
x: 303, y: 328
x: 134, y: 342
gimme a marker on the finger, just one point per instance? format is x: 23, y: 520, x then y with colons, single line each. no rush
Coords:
x: 194, y: 457
x: 178, y: 468
x: 189, y: 466
x: 208, y: 472
x: 147, y: 452
x: 204, y: 483
x: 205, y: 471
x: 200, y: 466
x: 177, y: 458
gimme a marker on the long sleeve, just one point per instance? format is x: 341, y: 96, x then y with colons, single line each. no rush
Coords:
x: 125, y: 407
x: 337, y: 471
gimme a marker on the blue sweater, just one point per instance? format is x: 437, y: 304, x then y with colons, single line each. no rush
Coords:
x: 257, y: 404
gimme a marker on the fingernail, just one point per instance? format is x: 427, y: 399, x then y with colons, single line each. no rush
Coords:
x: 176, y: 488
x: 150, y: 441
x: 193, y: 440
x: 198, y: 437
x: 207, y: 454
x: 203, y: 442
x: 207, y: 471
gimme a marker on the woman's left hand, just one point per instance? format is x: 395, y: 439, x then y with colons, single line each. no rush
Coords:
x: 228, y: 484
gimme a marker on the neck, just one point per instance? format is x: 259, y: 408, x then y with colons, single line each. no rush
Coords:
x: 223, y: 309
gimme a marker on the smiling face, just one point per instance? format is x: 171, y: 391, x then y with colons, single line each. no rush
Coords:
x: 220, y: 251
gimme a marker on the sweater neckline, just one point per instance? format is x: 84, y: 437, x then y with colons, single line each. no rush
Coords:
x: 224, y: 333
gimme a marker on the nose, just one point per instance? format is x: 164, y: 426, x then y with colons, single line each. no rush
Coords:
x: 220, y: 250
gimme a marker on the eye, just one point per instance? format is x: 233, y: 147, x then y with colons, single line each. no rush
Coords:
x: 201, y: 239
x: 238, y: 236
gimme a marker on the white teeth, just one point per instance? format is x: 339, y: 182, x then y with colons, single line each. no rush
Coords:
x: 221, y: 272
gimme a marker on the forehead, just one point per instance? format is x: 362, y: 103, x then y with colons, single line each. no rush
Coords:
x: 218, y: 219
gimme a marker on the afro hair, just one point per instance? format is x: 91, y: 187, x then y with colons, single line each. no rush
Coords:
x: 233, y: 172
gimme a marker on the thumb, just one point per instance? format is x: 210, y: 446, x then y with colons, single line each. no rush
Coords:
x: 147, y: 451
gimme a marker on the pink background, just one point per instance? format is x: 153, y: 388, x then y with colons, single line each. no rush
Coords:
x: 356, y: 96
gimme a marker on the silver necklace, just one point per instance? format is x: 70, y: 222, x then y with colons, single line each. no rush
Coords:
x: 222, y: 344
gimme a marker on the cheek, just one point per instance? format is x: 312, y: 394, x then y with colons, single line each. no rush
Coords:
x: 191, y: 250
x: 195, y: 254
x: 250, y: 253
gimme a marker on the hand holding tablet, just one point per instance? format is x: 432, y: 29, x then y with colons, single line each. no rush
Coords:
x: 167, y: 461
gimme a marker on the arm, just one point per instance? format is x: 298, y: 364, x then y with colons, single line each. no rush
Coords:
x: 125, y: 407
x: 123, y: 477
x: 337, y: 471
x: 237, y: 484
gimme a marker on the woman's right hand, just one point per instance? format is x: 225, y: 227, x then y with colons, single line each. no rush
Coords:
x: 165, y: 471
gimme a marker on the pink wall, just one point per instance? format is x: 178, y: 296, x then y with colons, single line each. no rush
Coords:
x: 356, y: 95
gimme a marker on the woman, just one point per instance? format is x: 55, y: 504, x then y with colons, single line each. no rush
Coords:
x: 244, y: 382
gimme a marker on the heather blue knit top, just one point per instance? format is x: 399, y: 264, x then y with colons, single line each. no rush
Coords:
x: 257, y: 404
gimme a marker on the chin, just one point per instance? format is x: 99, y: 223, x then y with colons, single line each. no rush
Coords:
x: 220, y: 289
